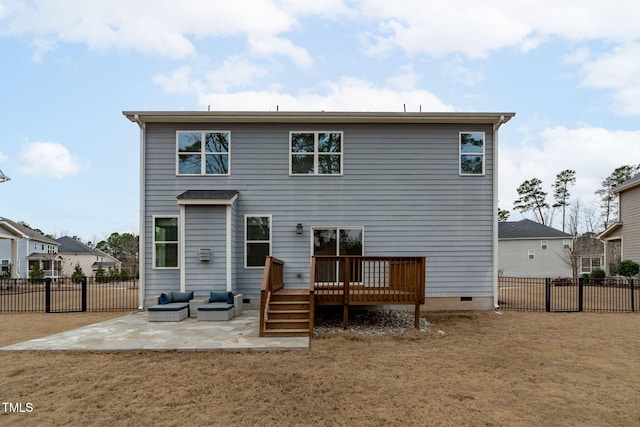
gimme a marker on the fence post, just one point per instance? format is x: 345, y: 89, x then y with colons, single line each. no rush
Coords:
x: 47, y: 295
x: 633, y: 299
x: 547, y: 288
x: 84, y: 293
x: 580, y: 293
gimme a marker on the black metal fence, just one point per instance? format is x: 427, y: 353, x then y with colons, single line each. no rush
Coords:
x: 569, y: 295
x: 67, y: 295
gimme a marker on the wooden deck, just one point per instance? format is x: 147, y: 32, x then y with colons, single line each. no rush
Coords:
x: 369, y: 281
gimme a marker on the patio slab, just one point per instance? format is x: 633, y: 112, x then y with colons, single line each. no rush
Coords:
x: 134, y: 332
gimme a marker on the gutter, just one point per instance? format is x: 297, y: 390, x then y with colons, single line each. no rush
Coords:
x: 142, y: 239
x: 502, y: 120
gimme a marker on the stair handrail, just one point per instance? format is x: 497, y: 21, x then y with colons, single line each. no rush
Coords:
x: 272, y: 280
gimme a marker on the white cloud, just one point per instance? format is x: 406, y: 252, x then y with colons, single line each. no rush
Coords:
x: 347, y: 94
x: 49, y: 160
x: 235, y: 72
x: 475, y: 29
x: 154, y: 27
x: 618, y: 71
x: 3, y: 158
x: 592, y: 152
x: 266, y: 46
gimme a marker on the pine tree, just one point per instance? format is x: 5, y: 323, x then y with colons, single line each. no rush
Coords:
x: 561, y: 191
x: 533, y: 199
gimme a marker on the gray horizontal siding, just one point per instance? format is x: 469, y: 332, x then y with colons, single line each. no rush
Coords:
x: 400, y: 183
x: 205, y: 227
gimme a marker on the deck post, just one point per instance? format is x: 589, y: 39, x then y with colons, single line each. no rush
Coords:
x: 417, y: 317
x: 347, y: 297
x: 345, y: 317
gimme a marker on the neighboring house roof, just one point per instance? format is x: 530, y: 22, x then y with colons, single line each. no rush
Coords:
x: 105, y: 264
x: 28, y: 233
x: 628, y: 185
x: 527, y: 229
x: 69, y: 245
x: 43, y: 257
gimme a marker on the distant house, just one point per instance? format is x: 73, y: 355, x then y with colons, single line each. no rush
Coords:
x: 622, y: 239
x: 22, y: 248
x: 529, y: 249
x: 90, y: 260
x: 590, y: 251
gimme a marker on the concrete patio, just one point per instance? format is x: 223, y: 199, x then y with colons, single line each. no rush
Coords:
x: 133, y: 332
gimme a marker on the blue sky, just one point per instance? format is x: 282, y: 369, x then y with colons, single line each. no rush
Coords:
x: 70, y: 67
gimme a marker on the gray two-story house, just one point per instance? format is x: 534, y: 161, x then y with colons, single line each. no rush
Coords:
x: 21, y: 248
x: 221, y: 191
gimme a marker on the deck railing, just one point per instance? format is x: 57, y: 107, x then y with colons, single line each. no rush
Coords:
x: 368, y: 280
x: 272, y: 280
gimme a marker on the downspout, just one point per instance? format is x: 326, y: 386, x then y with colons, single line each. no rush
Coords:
x: 496, y: 126
x: 142, y: 238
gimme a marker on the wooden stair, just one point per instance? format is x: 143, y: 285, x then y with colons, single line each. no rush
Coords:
x: 288, y: 314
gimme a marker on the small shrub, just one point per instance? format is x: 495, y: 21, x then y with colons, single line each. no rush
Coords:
x: 36, y: 272
x: 76, y: 276
x: 597, y: 273
x: 101, y: 276
x: 627, y: 268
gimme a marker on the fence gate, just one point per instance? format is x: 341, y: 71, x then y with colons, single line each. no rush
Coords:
x: 65, y: 296
x: 563, y: 295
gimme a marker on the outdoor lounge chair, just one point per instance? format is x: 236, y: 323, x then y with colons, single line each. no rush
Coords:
x: 171, y: 307
x: 221, y: 306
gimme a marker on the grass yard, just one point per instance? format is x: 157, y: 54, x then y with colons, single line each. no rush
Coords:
x: 518, y: 368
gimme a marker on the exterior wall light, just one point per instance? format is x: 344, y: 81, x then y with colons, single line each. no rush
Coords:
x: 299, y: 228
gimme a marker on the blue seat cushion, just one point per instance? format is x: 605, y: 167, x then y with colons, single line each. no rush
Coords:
x: 176, y: 306
x: 221, y: 297
x: 215, y: 306
x: 181, y: 296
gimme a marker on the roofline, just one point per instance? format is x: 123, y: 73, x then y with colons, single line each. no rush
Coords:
x: 627, y: 186
x: 610, y: 230
x: 314, y: 117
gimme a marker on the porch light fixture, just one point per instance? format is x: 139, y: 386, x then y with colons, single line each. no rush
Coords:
x: 299, y: 228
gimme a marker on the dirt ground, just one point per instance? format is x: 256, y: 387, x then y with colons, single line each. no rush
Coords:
x: 517, y: 368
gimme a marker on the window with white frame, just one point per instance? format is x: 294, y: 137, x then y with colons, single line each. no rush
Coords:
x: 165, y: 242
x: 315, y: 153
x: 566, y: 244
x: 257, y: 234
x: 588, y: 264
x: 4, y: 266
x: 471, y: 153
x: 203, y: 152
x: 532, y: 254
x: 544, y: 245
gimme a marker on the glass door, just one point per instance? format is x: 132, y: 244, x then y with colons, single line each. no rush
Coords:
x: 337, y: 242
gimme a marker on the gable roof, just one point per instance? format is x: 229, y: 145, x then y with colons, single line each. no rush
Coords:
x: 527, y: 229
x: 27, y: 232
x: 70, y: 245
x: 628, y: 185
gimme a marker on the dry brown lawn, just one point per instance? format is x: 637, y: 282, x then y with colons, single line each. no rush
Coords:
x: 487, y: 369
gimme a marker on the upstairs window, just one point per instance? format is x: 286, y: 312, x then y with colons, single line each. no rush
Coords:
x: 315, y: 153
x: 532, y: 254
x: 203, y: 152
x: 544, y: 245
x: 471, y: 153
